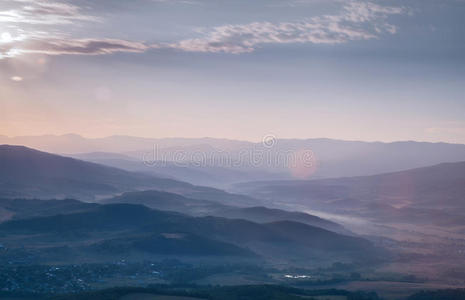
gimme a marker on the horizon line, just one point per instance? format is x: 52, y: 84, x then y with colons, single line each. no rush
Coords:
x: 230, y: 139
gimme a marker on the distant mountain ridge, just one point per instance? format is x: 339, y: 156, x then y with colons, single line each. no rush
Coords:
x: 74, y: 143
x: 333, y: 158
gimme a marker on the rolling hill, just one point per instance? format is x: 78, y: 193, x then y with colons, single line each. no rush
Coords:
x: 28, y: 208
x: 120, y: 230
x: 14, y: 209
x: 28, y: 173
x: 197, y: 207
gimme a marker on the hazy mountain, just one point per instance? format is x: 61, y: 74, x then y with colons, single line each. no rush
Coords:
x: 96, y: 156
x: 335, y: 158
x: 263, y: 215
x: 122, y: 229
x: 429, y: 195
x: 196, y: 207
x: 73, y: 143
x: 191, y: 172
x: 28, y: 173
x: 329, y: 158
x: 315, y: 158
x: 168, y: 201
x: 440, y: 185
x: 27, y: 208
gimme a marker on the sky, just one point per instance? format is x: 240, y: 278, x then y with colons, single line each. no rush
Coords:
x: 240, y: 69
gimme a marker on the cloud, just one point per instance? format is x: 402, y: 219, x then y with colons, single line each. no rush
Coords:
x: 84, y: 46
x: 58, y: 46
x: 54, y: 42
x: 44, y: 12
x: 358, y: 21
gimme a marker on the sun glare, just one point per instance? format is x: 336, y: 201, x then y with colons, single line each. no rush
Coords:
x: 17, y: 78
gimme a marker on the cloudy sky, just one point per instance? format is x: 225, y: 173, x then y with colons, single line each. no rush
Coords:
x: 359, y: 70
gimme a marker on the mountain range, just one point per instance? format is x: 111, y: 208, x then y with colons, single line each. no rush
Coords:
x: 228, y: 160
x: 32, y: 175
